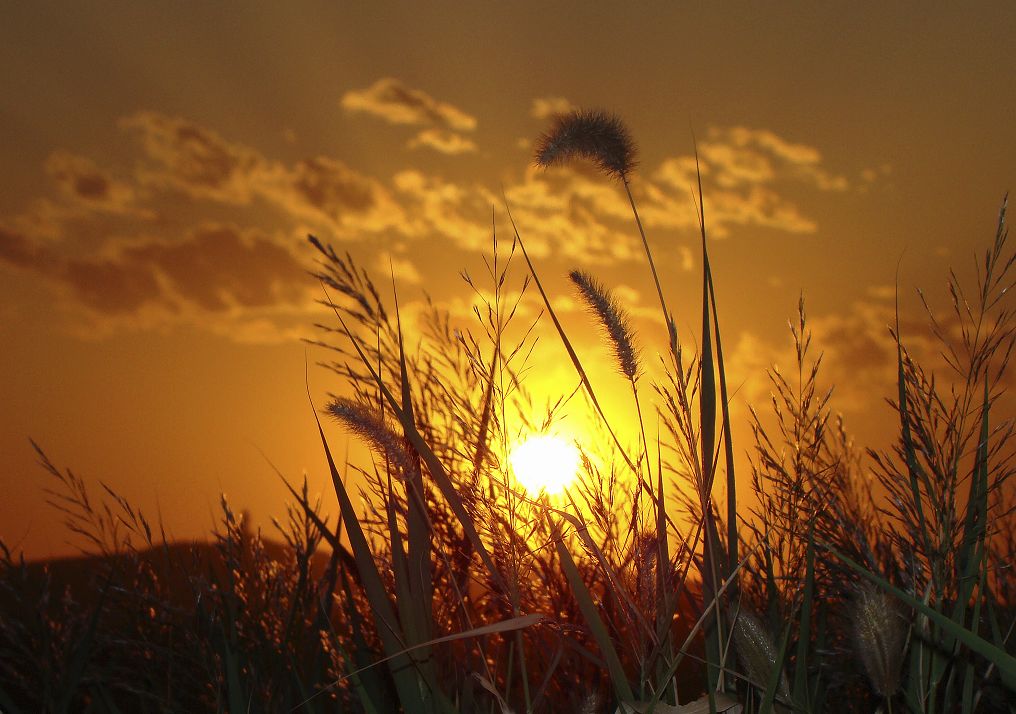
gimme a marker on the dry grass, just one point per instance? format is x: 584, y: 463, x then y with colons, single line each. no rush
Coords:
x: 456, y: 591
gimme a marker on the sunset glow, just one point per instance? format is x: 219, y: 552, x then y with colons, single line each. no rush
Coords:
x: 420, y: 357
x: 153, y: 250
x: 545, y: 463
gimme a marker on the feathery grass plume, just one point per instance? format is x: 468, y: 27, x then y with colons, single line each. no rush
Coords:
x: 592, y: 704
x: 880, y: 635
x: 372, y: 428
x: 589, y: 134
x: 614, y: 321
x: 758, y: 652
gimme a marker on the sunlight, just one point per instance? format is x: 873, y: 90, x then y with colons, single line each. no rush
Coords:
x: 545, y: 462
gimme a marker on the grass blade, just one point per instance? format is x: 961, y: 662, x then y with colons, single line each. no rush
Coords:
x: 510, y: 625
x: 592, y: 617
x: 713, y: 572
x: 384, y: 616
x: 801, y: 689
x: 776, y: 685
x: 82, y: 650
x: 434, y: 465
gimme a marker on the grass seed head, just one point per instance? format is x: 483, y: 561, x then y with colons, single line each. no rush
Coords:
x: 757, y: 651
x: 589, y: 134
x: 880, y: 634
x: 372, y: 428
x: 614, y: 320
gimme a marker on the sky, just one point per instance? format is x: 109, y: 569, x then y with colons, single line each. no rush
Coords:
x: 163, y: 164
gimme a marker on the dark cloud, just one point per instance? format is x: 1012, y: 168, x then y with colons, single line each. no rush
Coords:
x: 218, y: 267
x: 332, y: 187
x: 322, y: 191
x: 17, y: 250
x: 194, y: 158
x: 861, y: 349
x: 111, y: 287
x: 215, y: 268
x: 86, y: 184
x: 91, y: 187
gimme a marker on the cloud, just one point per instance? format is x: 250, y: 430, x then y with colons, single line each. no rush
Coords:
x: 404, y: 269
x: 687, y: 258
x: 214, y: 272
x: 435, y: 207
x: 326, y: 195
x: 219, y: 267
x: 746, y: 173
x: 571, y: 210
x: 109, y: 286
x: 547, y: 107
x: 739, y: 155
x: 193, y: 158
x: 321, y: 193
x: 391, y: 100
x: 332, y: 187
x: 858, y: 355
x: 17, y: 250
x: 107, y: 275
x: 445, y: 142
x: 79, y: 179
x: 186, y: 264
x: 575, y: 215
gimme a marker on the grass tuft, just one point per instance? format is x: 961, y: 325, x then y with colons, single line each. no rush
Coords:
x: 589, y: 134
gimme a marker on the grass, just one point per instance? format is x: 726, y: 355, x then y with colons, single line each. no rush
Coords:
x: 653, y: 586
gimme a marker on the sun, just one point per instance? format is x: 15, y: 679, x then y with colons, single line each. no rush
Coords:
x: 545, y: 462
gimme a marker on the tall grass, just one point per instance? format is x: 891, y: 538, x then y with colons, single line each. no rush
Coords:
x: 653, y: 585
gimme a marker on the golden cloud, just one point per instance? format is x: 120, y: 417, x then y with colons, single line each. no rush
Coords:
x: 568, y: 213
x: 391, y: 100
x: 547, y: 107
x: 445, y: 142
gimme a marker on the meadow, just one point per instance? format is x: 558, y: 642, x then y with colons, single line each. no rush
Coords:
x: 846, y: 579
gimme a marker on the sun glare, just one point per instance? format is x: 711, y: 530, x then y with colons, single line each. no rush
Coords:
x: 545, y: 462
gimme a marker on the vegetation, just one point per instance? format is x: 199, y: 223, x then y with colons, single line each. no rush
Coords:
x: 845, y: 582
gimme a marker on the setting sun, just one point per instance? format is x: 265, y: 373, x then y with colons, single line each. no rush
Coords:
x: 545, y: 462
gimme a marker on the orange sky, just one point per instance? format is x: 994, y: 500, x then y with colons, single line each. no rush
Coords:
x: 162, y: 164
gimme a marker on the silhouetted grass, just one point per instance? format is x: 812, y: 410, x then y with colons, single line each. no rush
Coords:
x: 453, y: 590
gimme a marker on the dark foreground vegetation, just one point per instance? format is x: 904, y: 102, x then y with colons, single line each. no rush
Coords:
x: 846, y: 581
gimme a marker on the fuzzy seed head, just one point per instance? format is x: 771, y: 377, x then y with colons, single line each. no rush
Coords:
x: 589, y: 134
x: 647, y: 552
x: 757, y: 651
x: 373, y: 429
x: 880, y: 636
x: 613, y: 319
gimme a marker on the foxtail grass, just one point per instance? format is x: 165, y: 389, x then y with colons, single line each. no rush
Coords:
x: 441, y: 586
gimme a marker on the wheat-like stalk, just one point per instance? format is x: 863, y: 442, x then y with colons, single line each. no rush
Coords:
x: 757, y: 652
x: 613, y: 318
x: 372, y: 428
x: 589, y: 134
x: 880, y: 634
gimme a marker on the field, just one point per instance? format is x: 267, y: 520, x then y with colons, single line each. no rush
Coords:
x: 845, y: 580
